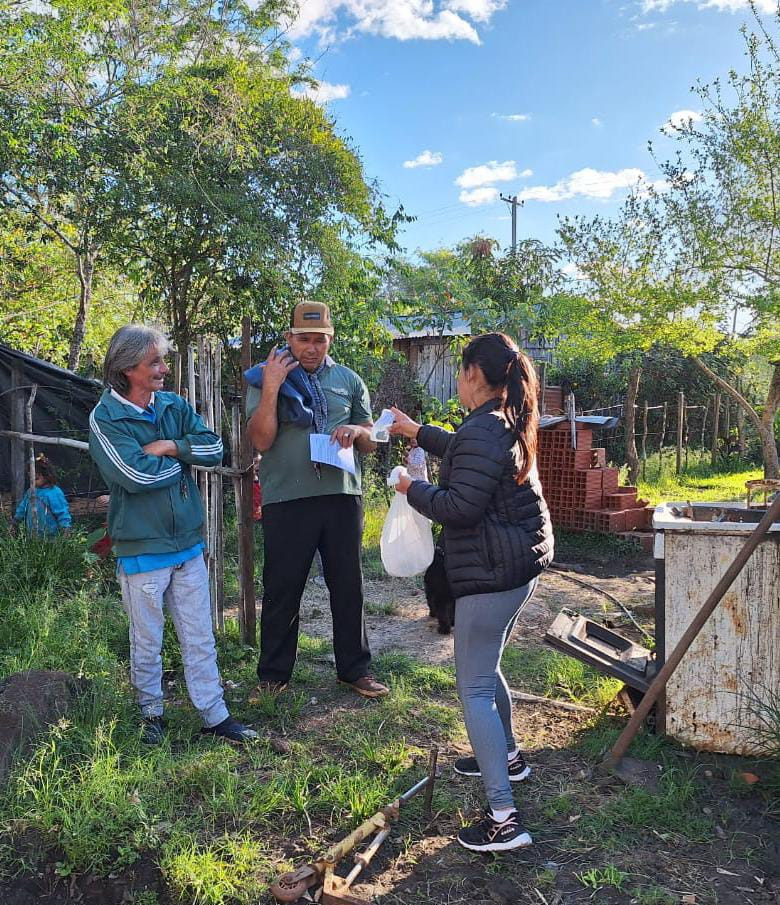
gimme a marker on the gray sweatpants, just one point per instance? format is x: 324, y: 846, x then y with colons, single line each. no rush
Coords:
x: 184, y: 589
x: 483, y: 624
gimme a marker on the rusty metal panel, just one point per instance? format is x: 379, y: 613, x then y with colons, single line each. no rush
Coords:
x: 738, y: 649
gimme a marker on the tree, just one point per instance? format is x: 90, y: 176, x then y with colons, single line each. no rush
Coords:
x: 36, y: 295
x: 66, y: 72
x: 723, y: 204
x: 633, y: 290
x: 242, y: 197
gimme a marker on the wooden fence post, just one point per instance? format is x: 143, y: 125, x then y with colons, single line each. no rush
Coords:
x: 715, y: 423
x: 217, y: 495
x: 661, y: 441
x: 33, y: 502
x: 18, y: 448
x: 246, y: 537
x: 680, y: 423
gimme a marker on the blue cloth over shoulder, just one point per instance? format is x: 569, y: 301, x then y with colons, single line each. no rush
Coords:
x: 295, y: 395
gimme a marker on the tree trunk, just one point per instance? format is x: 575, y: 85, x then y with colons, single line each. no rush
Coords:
x: 629, y: 418
x: 768, y: 441
x: 85, y: 269
x: 764, y: 423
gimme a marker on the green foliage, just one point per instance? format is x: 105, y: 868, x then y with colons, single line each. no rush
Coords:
x: 549, y: 673
x: 674, y: 809
x: 699, y: 482
x: 599, y: 877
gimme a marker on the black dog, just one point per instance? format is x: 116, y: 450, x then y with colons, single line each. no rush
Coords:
x: 438, y: 593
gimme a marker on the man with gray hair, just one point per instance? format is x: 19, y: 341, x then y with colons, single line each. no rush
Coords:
x: 144, y: 441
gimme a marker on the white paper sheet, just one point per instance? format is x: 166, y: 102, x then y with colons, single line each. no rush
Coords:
x: 323, y: 450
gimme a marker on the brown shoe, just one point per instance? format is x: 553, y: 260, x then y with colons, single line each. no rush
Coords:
x: 262, y: 689
x: 368, y: 687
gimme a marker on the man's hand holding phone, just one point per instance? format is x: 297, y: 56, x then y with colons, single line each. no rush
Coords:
x: 277, y: 366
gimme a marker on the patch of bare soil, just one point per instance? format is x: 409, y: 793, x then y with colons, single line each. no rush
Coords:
x: 737, y: 864
x: 397, y: 614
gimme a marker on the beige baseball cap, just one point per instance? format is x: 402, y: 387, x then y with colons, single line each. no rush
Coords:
x: 311, y: 317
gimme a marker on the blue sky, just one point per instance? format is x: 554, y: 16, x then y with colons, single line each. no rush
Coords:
x: 449, y: 102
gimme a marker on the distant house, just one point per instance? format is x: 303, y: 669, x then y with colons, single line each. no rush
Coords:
x: 429, y: 352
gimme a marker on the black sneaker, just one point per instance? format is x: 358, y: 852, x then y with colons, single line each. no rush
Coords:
x: 232, y: 731
x: 153, y: 730
x: 518, y: 769
x: 491, y: 836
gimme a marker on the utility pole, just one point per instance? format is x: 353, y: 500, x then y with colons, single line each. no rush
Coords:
x: 514, y: 203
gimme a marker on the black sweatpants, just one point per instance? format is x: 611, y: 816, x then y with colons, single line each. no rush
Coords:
x: 292, y: 532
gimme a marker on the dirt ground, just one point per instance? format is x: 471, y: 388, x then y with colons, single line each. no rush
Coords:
x: 638, y: 857
x: 409, y: 630
x: 739, y: 864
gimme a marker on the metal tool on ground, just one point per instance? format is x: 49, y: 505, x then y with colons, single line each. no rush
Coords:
x: 329, y: 887
x: 639, y: 772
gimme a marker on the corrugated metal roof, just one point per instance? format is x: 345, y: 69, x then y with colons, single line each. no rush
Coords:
x: 457, y: 326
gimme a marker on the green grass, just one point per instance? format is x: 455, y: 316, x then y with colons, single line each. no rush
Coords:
x: 697, y: 483
x: 619, y: 822
x: 549, y: 673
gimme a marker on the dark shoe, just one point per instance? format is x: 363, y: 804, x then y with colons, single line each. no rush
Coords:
x: 266, y: 688
x: 368, y: 687
x: 153, y: 730
x: 232, y: 731
x: 491, y: 836
x: 518, y: 769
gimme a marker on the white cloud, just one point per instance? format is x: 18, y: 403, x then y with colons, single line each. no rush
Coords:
x: 587, y: 183
x: 323, y: 92
x: 661, y: 6
x: 478, y: 10
x: 425, y: 159
x: 475, y: 197
x: 486, y: 174
x: 680, y: 119
x: 573, y: 271
x: 404, y: 20
x: 597, y: 122
x: 513, y: 117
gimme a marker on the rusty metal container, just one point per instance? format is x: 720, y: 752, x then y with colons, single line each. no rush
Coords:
x: 735, y: 661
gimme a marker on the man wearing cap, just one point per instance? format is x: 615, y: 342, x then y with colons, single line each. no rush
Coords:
x: 309, y: 506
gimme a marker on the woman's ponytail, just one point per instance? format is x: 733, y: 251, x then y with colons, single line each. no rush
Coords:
x: 521, y: 408
x: 512, y: 373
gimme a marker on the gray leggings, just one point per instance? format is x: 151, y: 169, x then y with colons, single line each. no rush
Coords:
x: 483, y: 624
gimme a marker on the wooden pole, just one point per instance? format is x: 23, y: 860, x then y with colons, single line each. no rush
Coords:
x: 680, y: 422
x: 191, y: 397
x: 17, y: 445
x: 246, y: 531
x: 219, y: 533
x: 727, y: 421
x: 235, y: 429
x: 28, y: 419
x: 543, y: 380
x: 177, y: 373
x: 661, y: 441
x: 644, y: 440
x: 40, y: 438
x: 704, y: 425
x: 715, y: 423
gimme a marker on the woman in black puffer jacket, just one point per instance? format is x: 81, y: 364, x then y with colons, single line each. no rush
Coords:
x: 497, y: 540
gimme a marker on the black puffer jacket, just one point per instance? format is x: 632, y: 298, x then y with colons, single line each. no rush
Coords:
x: 497, y: 534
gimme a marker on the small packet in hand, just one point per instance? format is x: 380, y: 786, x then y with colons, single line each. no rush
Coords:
x: 379, y: 432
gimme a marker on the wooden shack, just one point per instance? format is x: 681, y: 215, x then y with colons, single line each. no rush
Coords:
x: 429, y: 351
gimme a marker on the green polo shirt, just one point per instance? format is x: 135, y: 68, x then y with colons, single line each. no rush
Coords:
x: 286, y: 470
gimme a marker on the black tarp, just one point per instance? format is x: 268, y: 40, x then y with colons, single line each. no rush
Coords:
x: 61, y: 409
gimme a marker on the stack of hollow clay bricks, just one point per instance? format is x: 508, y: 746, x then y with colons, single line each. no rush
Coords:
x: 581, y: 492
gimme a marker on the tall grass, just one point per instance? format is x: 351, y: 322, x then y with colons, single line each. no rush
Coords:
x: 698, y: 482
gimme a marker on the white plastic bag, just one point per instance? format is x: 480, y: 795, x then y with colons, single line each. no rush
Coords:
x: 407, y: 539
